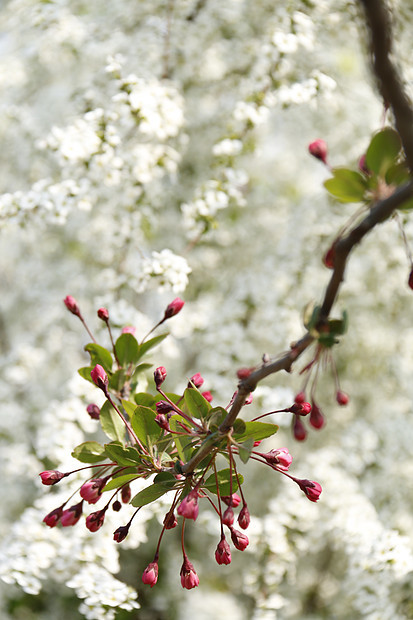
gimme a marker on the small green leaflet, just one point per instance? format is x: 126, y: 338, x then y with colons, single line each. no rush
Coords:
x: 123, y: 456
x: 119, y: 481
x: 111, y: 422
x: 145, y: 427
x: 347, y: 185
x: 89, y: 452
x: 256, y: 431
x: 383, y: 151
x: 196, y: 405
x: 127, y: 349
x: 155, y: 491
x: 99, y: 355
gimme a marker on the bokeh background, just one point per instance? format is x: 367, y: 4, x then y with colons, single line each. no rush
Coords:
x: 156, y: 148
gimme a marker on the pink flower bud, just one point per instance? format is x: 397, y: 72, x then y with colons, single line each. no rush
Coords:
x: 208, y: 396
x: 329, y: 256
x: 222, y: 552
x: 95, y: 520
x: 281, y: 458
x: 318, y: 149
x: 52, y: 476
x: 99, y: 377
x: 342, y: 398
x: 129, y: 329
x: 170, y: 520
x: 103, y: 314
x: 159, y: 375
x: 196, y: 380
x: 243, y: 373
x: 71, y: 304
x: 189, y: 578
x: 244, y: 518
x: 94, y: 411
x: 162, y: 421
x: 231, y: 500
x: 92, y: 491
x: 53, y: 517
x: 121, y: 533
x: 363, y: 166
x: 300, y: 408
x: 316, y: 417
x: 239, y: 539
x: 173, y: 308
x: 150, y: 574
x: 300, y: 398
x: 126, y: 494
x: 72, y: 515
x: 189, y: 508
x: 228, y: 517
x: 164, y: 407
x: 311, y: 489
x: 299, y: 429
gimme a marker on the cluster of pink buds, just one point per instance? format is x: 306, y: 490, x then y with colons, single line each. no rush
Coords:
x: 170, y: 440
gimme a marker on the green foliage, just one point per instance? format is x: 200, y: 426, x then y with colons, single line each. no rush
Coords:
x: 347, y: 185
x: 383, y: 151
x: 255, y: 431
x: 224, y: 477
x: 145, y: 427
x: 111, y: 422
x: 195, y: 404
x: 89, y: 452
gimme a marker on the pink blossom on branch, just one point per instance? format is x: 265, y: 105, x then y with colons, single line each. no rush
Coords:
x: 189, y: 508
x: 51, y: 476
x: 223, y: 552
x: 99, y: 377
x: 72, y: 515
x: 150, y: 574
x: 189, y: 578
x: 173, y: 308
x: 71, y: 304
x: 318, y: 149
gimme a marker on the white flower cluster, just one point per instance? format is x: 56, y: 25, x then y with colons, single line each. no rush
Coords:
x: 165, y: 270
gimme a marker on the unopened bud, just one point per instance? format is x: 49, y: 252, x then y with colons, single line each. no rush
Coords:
x: 189, y: 508
x: 299, y: 429
x: 170, y: 520
x: 208, y: 396
x: 162, y: 421
x: 318, y: 149
x: 163, y: 407
x: 126, y: 494
x: 121, y: 533
x: 310, y: 488
x: 52, y: 476
x: 300, y: 408
x: 95, y: 520
x: 159, y: 375
x: 316, y: 417
x: 173, y: 308
x: 94, y: 411
x: 410, y: 280
x: 129, y: 329
x: 244, y: 373
x: 231, y: 500
x: 103, y: 314
x: 244, y: 518
x: 342, y: 398
x: 53, y: 517
x: 223, y: 553
x: 329, y: 256
x: 71, y: 304
x: 72, y: 515
x: 228, y: 517
x: 300, y: 398
x: 99, y: 377
x: 150, y: 574
x: 196, y: 380
x: 116, y: 506
x: 239, y: 539
x: 189, y: 578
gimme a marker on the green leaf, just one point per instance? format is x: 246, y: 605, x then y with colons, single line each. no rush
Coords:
x: 346, y: 185
x: 144, y: 425
x: 150, y: 344
x: 256, y: 431
x: 119, y: 481
x: 311, y: 315
x: 165, y: 478
x: 383, y: 151
x: 123, y: 456
x: 111, y: 422
x: 89, y: 452
x: 135, y: 376
x: 117, y: 380
x: 239, y: 427
x: 127, y: 349
x: 196, y: 405
x: 182, y: 442
x: 223, y: 482
x: 216, y: 416
x: 245, y: 449
x: 85, y: 373
x: 128, y: 407
x: 99, y: 355
x: 152, y: 493
x: 147, y: 400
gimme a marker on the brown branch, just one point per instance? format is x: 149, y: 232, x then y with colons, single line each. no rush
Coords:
x: 388, y: 77
x: 393, y: 93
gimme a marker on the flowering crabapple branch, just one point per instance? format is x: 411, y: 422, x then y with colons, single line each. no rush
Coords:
x: 394, y: 96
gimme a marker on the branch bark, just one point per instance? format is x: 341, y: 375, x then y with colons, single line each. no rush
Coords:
x: 393, y: 94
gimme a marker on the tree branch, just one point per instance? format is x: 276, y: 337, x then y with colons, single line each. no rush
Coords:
x: 393, y: 94
x: 388, y: 77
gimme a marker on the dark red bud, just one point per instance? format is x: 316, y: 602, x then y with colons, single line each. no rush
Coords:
x: 299, y: 429
x: 318, y: 149
x: 94, y: 411
x: 329, y: 256
x: 316, y: 417
x: 103, y: 314
x: 159, y: 375
x: 116, y: 506
x: 126, y: 494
